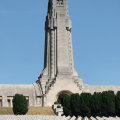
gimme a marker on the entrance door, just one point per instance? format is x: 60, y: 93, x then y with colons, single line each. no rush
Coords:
x: 61, y: 94
x: 60, y: 99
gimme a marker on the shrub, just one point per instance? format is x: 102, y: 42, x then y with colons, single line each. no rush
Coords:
x: 104, y: 104
x: 75, y: 104
x: 20, y: 105
x: 96, y: 104
x: 58, y: 106
x: 56, y: 102
x: 117, y: 103
x: 84, y: 109
x: 111, y: 104
x: 87, y: 99
x: 66, y: 106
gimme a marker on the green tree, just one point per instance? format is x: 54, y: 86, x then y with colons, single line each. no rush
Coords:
x: 87, y: 99
x: 66, y: 106
x: 117, y: 103
x: 96, y: 104
x: 84, y: 109
x: 20, y: 105
x: 75, y: 104
x: 104, y: 104
x: 111, y: 104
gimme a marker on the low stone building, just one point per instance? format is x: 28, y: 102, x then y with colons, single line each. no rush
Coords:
x: 59, y: 75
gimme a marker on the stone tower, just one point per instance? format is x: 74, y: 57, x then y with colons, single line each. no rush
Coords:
x: 58, y: 57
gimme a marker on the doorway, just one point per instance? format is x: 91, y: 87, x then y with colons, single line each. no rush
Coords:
x: 61, y: 94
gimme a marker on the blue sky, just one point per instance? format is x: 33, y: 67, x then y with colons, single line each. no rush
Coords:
x: 95, y: 38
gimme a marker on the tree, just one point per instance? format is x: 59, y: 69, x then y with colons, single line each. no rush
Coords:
x: 66, y: 105
x: 75, y: 104
x: 87, y: 101
x: 84, y: 109
x: 104, y: 103
x: 111, y: 104
x: 117, y: 103
x: 19, y: 105
x: 96, y: 104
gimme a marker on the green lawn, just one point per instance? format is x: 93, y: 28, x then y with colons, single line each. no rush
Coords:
x: 31, y: 111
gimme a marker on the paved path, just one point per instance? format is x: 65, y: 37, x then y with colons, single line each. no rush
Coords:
x: 47, y: 117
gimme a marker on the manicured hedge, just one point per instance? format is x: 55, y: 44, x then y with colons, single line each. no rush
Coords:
x: 75, y: 104
x: 85, y: 104
x: 96, y: 104
x: 20, y: 105
x: 66, y: 105
x: 99, y: 104
x: 111, y: 104
x: 117, y: 103
x: 104, y: 105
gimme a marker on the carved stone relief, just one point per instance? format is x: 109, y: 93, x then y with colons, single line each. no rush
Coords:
x: 39, y: 100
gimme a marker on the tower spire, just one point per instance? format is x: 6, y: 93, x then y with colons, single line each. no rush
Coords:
x: 58, y: 58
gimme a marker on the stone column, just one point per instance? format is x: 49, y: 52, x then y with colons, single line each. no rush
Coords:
x: 48, y: 51
x: 10, y: 102
x: 0, y: 103
x: 4, y: 101
x: 44, y: 101
x: 55, y: 53
x: 52, y: 54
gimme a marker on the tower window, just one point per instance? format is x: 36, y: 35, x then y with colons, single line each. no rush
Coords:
x: 59, y: 2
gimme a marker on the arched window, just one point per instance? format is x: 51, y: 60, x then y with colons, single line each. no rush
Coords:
x: 59, y: 2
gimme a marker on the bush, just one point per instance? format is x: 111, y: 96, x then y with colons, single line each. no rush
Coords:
x: 58, y: 106
x: 56, y: 102
x: 117, y: 103
x: 66, y: 106
x: 84, y: 109
x: 111, y: 104
x: 104, y: 104
x: 96, y: 104
x: 87, y: 99
x: 75, y: 104
x: 20, y: 105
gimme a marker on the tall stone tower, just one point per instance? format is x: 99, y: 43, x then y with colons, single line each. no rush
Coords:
x: 58, y: 57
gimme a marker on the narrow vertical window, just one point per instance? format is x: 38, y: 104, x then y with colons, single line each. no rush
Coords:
x: 59, y: 2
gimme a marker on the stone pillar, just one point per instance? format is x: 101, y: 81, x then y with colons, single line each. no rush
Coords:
x: 52, y: 54
x: 55, y: 53
x: 0, y: 101
x: 10, y: 102
x: 48, y: 51
x: 27, y: 98
x: 4, y: 101
x: 44, y: 101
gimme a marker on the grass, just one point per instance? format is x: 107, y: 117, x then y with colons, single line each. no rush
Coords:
x: 31, y: 111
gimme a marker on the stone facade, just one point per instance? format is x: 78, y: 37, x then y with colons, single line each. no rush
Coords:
x: 59, y: 75
x: 58, y: 61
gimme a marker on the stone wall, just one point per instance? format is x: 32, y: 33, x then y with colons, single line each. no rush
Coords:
x: 8, y: 91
